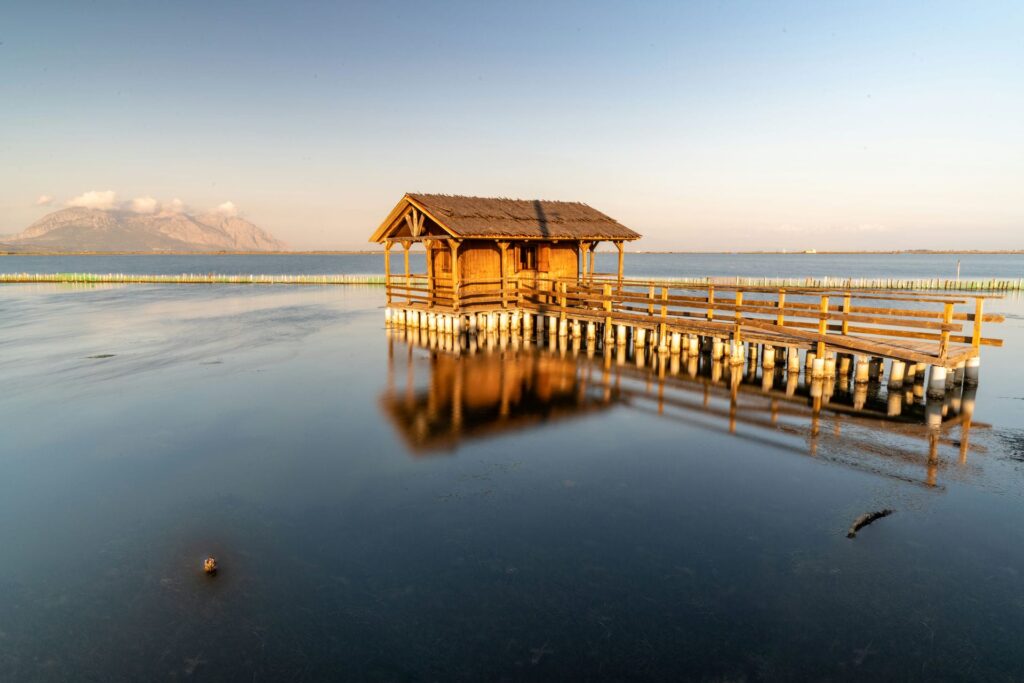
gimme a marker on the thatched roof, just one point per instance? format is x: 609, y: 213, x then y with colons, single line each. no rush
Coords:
x: 483, y: 217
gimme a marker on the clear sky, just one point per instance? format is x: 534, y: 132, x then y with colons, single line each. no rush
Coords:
x: 705, y: 126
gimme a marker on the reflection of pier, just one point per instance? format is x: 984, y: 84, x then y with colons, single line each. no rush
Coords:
x: 477, y: 385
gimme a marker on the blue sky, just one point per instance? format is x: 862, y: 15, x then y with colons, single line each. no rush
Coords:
x: 704, y: 125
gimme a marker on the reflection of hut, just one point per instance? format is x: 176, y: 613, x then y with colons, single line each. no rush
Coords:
x: 486, y: 394
x: 478, y: 249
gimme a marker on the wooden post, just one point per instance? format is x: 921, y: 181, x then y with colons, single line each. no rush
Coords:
x: 822, y: 326
x: 430, y: 274
x: 581, y: 275
x: 979, y: 313
x: 947, y: 317
x: 593, y: 250
x: 406, y: 245
x: 607, y: 291
x: 711, y: 302
x: 387, y: 270
x: 503, y: 246
x: 846, y: 311
x: 650, y: 295
x: 737, y: 335
x: 456, y: 282
x: 780, y: 320
x: 619, y: 246
x: 663, y: 327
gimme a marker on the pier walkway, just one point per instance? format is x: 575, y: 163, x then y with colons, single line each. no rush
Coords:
x: 839, y: 330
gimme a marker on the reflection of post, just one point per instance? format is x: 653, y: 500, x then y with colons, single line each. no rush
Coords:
x: 933, y: 457
x: 391, y: 366
x: 457, y: 398
x: 503, y: 410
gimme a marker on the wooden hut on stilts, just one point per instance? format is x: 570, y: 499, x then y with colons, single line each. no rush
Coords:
x: 481, y: 253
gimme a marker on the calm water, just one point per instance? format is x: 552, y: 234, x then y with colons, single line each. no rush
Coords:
x: 654, y: 265
x: 542, y: 522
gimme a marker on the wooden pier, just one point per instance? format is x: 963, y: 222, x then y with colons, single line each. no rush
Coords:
x: 833, y: 328
x: 527, y: 267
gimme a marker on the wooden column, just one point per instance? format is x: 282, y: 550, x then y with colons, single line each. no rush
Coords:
x: 979, y: 314
x: 618, y: 245
x: 947, y: 317
x: 502, y: 260
x: 430, y: 273
x: 581, y: 273
x: 822, y: 326
x: 456, y: 281
x: 593, y: 250
x: 387, y: 270
x: 406, y: 245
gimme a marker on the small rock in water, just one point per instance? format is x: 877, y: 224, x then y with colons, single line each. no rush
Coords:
x: 210, y: 565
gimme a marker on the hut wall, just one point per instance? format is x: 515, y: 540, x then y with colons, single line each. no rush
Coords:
x: 564, y: 260
x: 480, y: 261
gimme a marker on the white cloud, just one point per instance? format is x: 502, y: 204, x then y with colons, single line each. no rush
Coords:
x: 44, y: 200
x: 144, y: 205
x: 95, y: 199
x: 228, y: 209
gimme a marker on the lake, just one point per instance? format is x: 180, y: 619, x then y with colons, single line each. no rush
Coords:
x: 549, y: 519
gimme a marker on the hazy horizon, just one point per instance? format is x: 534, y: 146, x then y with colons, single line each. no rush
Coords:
x: 704, y: 127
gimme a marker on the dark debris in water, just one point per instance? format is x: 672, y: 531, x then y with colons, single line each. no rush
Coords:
x: 866, y: 519
x: 102, y: 355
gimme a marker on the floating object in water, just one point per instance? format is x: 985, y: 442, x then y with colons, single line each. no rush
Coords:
x: 210, y: 565
x: 866, y: 519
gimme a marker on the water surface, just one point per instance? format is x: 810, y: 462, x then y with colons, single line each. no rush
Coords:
x: 568, y: 531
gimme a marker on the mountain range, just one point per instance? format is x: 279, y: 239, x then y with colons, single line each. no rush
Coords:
x: 78, y: 229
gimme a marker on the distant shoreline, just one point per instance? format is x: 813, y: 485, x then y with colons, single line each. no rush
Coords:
x: 881, y: 252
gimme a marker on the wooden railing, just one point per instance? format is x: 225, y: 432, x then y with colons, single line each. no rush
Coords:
x: 418, y: 290
x: 805, y: 314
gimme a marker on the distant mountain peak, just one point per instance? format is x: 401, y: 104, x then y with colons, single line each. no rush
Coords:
x: 86, y: 229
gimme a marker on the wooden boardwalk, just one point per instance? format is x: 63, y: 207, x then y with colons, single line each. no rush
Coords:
x: 944, y: 330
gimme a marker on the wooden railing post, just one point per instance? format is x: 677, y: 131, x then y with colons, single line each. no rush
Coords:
x: 650, y: 295
x: 607, y: 292
x: 562, y: 287
x: 711, y: 302
x: 737, y: 336
x: 846, y: 311
x: 947, y: 317
x: 780, y: 319
x: 822, y: 325
x: 979, y: 313
x: 663, y: 327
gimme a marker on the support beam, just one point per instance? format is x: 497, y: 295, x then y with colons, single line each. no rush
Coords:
x: 502, y: 261
x: 456, y: 281
x: 387, y: 270
x: 430, y: 273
